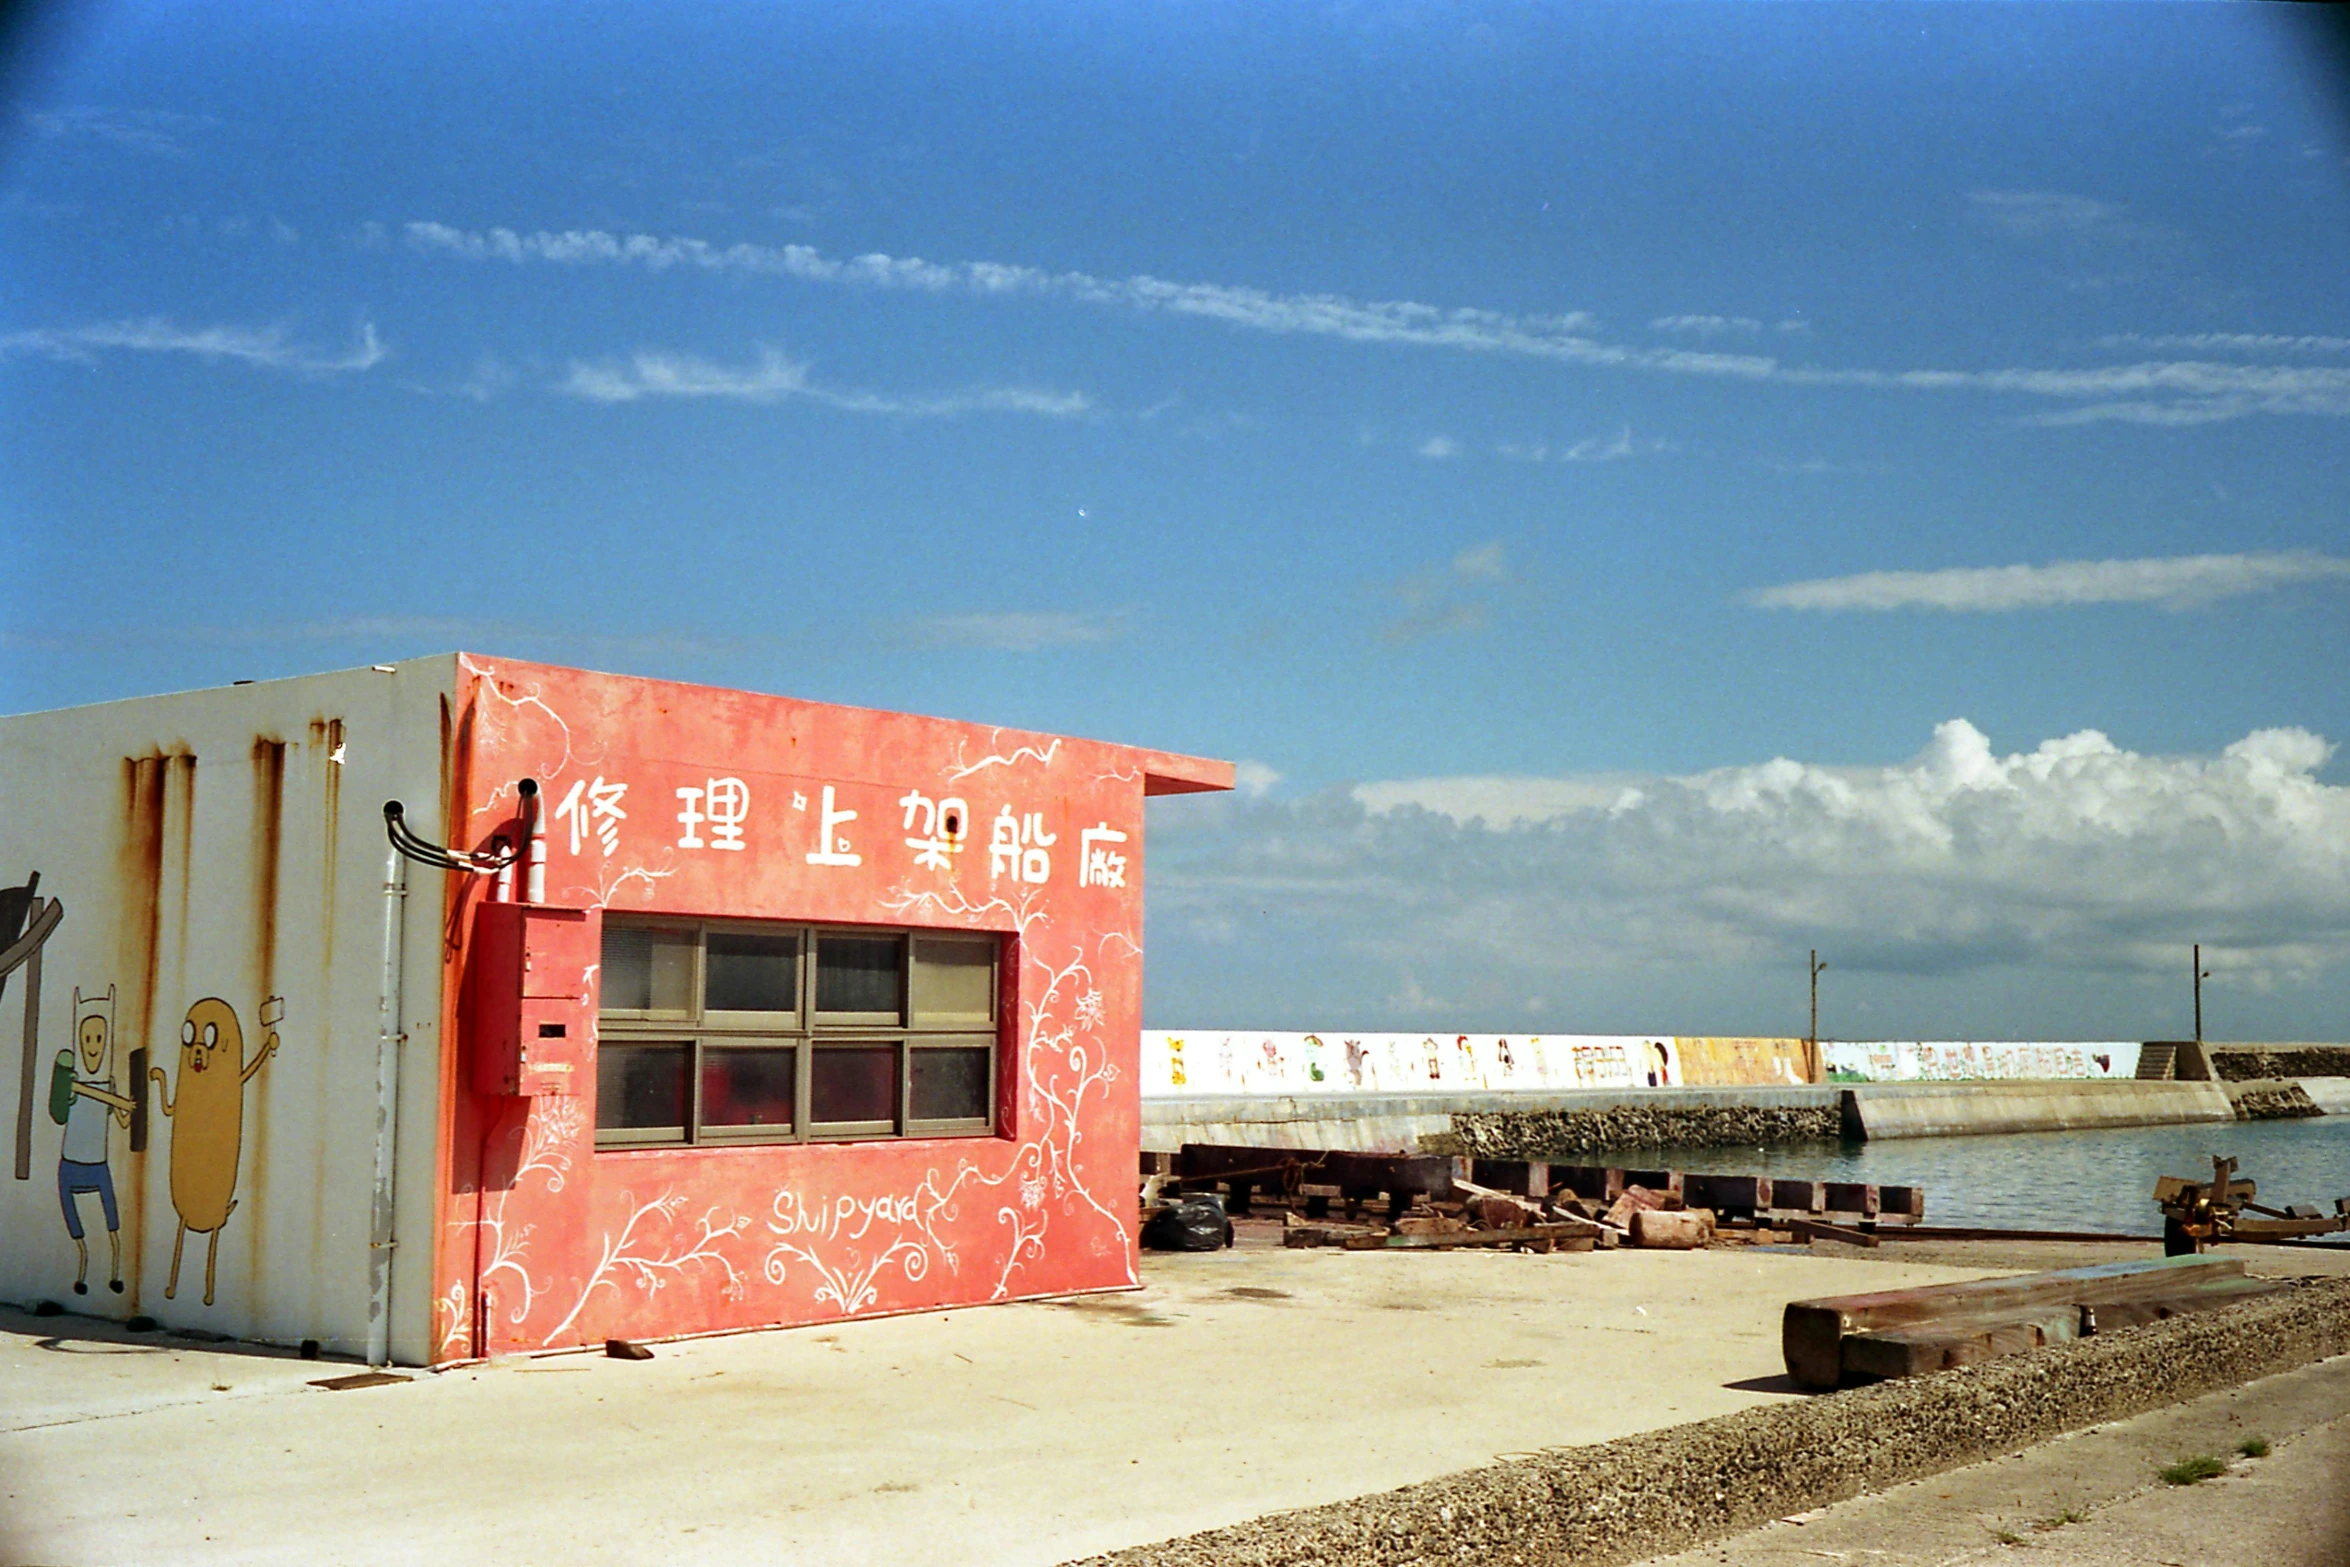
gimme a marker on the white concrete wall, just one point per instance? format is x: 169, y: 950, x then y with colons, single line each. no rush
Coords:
x: 151, y: 821
x: 1960, y: 1061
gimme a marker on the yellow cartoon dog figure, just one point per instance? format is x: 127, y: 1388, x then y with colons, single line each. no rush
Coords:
x: 208, y: 1122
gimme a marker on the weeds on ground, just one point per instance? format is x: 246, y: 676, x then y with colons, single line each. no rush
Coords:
x: 2048, y: 1525
x: 2188, y: 1471
x: 2253, y: 1447
x: 2005, y: 1536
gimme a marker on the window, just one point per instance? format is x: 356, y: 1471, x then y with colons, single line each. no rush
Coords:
x: 717, y: 1032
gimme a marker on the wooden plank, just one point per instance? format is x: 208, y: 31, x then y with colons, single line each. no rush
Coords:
x: 2111, y: 1316
x: 1852, y: 1197
x: 1811, y: 1331
x: 1917, y: 1350
x: 1813, y: 1229
x: 1560, y: 1237
x: 1796, y: 1196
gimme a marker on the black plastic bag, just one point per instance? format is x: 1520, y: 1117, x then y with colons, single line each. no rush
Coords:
x: 1187, y: 1224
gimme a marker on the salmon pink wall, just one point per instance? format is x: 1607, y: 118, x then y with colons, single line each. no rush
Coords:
x: 673, y: 799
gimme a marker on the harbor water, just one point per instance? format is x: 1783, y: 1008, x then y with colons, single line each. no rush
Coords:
x: 2099, y: 1181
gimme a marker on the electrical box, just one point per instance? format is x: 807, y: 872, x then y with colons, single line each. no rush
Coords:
x: 532, y: 1002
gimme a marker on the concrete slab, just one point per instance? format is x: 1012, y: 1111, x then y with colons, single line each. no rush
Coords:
x: 2093, y: 1499
x: 1231, y: 1385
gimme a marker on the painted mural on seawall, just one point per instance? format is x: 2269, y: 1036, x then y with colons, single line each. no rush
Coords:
x: 1188, y: 1063
x: 1960, y: 1061
x: 1208, y: 1063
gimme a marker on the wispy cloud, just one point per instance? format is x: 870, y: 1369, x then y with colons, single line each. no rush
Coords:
x: 774, y: 378
x: 2227, y: 342
x: 2202, y: 391
x: 156, y: 132
x: 269, y: 348
x: 1594, y: 448
x: 1710, y: 326
x: 1016, y: 631
x: 1254, y: 779
x: 2034, y: 213
x: 1440, y: 447
x: 1449, y: 599
x: 2174, y: 582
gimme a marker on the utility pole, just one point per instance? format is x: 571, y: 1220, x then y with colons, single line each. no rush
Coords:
x: 1817, y: 966
x: 2200, y: 977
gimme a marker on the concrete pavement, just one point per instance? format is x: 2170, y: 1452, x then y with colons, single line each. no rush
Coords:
x: 1233, y: 1384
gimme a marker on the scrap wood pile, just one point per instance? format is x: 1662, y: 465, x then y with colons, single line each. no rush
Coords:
x: 1901, y: 1333
x: 1431, y: 1202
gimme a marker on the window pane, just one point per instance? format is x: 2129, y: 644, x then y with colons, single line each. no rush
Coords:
x: 748, y: 1086
x: 859, y: 973
x: 647, y: 969
x: 949, y: 1084
x: 746, y: 973
x: 853, y: 1083
x: 641, y: 1086
x: 954, y: 979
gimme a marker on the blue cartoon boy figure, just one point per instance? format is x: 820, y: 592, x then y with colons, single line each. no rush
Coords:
x: 84, y: 1101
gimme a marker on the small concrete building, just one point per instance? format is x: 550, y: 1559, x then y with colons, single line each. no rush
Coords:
x: 673, y: 1010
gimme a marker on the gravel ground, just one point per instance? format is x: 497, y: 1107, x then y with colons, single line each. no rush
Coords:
x: 1666, y: 1490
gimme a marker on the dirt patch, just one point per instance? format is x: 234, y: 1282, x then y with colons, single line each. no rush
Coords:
x: 1666, y: 1490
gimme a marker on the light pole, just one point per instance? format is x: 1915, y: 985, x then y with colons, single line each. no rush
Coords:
x: 2200, y: 977
x: 1817, y: 966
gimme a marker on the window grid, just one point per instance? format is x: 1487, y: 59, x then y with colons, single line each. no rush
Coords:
x: 702, y: 1034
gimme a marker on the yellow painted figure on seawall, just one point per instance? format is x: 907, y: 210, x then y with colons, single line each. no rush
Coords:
x: 208, y: 1122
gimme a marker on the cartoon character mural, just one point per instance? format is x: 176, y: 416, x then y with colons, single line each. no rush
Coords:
x: 1175, y: 1062
x: 1356, y: 1055
x: 1313, y: 1044
x: 1435, y: 1061
x: 208, y: 1122
x: 85, y: 1102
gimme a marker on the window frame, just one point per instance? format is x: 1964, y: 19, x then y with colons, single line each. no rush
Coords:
x: 804, y: 1030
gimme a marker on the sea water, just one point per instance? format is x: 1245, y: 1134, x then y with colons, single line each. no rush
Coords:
x: 2100, y: 1181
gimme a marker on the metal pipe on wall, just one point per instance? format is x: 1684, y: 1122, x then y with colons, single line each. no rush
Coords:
x: 392, y: 1015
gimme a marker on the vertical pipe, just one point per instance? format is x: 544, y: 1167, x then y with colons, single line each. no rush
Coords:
x: 538, y: 854
x: 380, y: 1240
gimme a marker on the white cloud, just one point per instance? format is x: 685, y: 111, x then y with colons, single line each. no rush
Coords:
x: 1440, y: 446
x: 2074, y: 870
x: 2210, y: 391
x: 2032, y: 213
x: 2174, y: 582
x: 774, y: 378
x: 1254, y: 779
x: 1481, y: 564
x: 2228, y: 342
x: 269, y: 348
x: 1709, y: 326
x: 155, y: 131
x: 1017, y: 631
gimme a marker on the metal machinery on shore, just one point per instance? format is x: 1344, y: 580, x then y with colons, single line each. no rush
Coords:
x: 2197, y: 1215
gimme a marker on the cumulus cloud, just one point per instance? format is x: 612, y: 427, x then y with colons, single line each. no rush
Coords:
x: 774, y: 378
x: 268, y: 348
x: 2174, y: 582
x: 2207, y: 391
x: 2083, y: 867
x: 2227, y: 342
x: 1254, y: 779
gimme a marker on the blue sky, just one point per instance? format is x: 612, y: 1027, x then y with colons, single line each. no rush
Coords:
x: 1459, y: 413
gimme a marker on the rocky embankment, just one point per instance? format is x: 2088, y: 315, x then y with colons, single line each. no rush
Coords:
x: 1546, y: 1134
x: 2264, y: 1101
x: 2245, y: 1063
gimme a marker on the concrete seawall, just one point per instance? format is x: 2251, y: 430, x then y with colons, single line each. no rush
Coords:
x: 1886, y: 1110
x: 1522, y: 1125
x: 1395, y: 1123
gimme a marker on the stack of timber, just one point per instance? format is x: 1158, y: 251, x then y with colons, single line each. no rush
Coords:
x: 1435, y: 1202
x: 1901, y: 1333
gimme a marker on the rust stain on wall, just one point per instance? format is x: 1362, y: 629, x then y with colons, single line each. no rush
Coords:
x: 268, y: 850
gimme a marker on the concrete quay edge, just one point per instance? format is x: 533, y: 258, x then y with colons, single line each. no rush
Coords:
x: 1888, y: 1110
x: 1658, y: 1491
